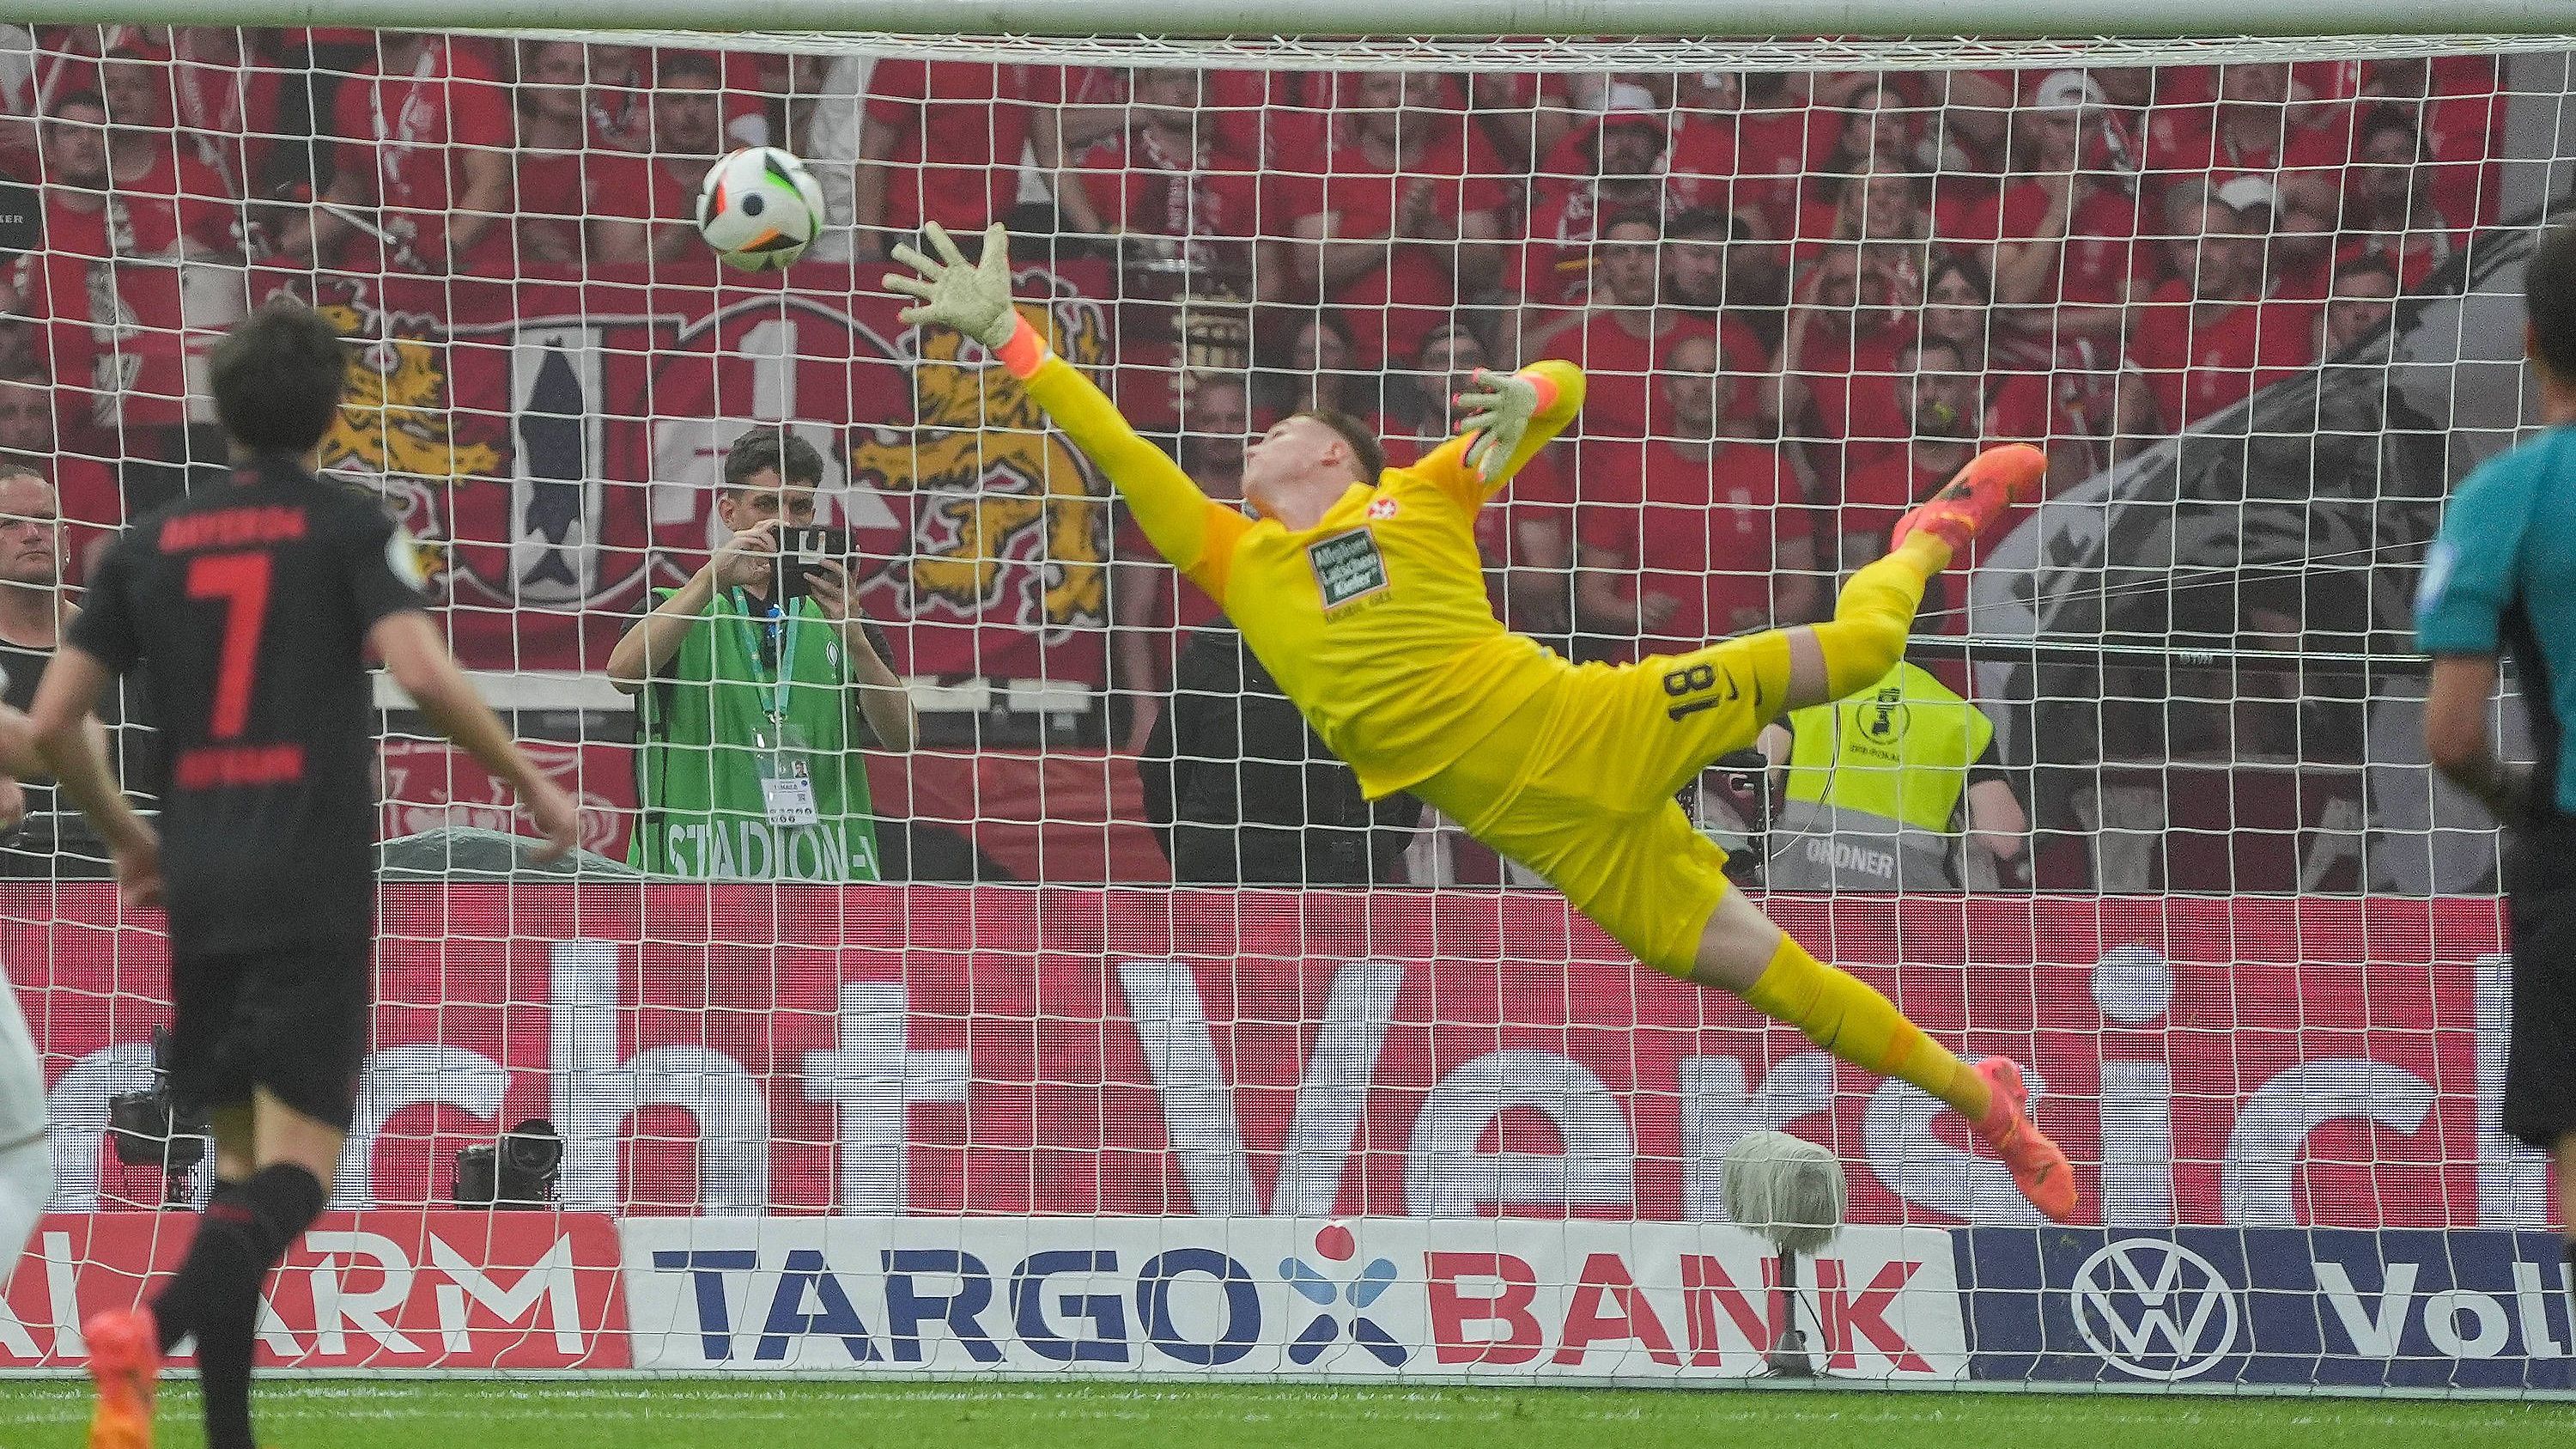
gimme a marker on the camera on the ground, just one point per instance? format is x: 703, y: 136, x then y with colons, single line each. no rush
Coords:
x: 517, y: 1171
x: 147, y: 1129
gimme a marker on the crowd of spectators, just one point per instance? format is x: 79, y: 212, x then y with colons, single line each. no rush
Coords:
x: 1802, y: 298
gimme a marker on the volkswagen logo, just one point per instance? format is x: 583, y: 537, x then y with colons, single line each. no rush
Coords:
x: 2154, y: 1309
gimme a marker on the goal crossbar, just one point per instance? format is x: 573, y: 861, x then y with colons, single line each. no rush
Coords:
x: 1316, y: 19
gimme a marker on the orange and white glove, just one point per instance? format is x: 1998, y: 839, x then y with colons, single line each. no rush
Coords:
x: 974, y: 298
x: 1499, y: 416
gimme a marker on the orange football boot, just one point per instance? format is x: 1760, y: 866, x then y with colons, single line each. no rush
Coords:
x: 2039, y: 1168
x: 125, y: 1358
x: 1970, y: 502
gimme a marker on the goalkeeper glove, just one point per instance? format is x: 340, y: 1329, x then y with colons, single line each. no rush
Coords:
x: 1499, y: 415
x: 973, y: 298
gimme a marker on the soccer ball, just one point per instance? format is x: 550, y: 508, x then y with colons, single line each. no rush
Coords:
x: 759, y: 208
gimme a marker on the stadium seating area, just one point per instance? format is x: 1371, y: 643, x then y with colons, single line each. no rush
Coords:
x: 1801, y: 298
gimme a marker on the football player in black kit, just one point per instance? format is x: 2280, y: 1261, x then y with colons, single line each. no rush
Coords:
x: 250, y: 612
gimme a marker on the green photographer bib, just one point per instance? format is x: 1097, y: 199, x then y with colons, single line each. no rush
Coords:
x: 746, y: 769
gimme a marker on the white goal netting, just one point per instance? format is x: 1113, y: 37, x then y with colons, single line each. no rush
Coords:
x: 1096, y: 1023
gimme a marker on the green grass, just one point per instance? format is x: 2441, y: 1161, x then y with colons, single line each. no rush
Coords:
x: 421, y: 1414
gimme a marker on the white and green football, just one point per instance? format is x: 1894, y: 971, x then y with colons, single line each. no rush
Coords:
x: 759, y: 208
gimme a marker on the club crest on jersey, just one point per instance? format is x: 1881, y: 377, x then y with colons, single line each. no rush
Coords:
x: 1348, y: 568
x: 1381, y: 508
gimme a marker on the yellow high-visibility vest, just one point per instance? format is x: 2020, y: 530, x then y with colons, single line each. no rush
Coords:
x: 1899, y: 752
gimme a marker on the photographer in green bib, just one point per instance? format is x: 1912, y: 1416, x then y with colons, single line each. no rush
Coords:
x: 1869, y: 786
x: 757, y: 683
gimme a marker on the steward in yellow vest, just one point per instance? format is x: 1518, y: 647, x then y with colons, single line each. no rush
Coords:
x: 1873, y: 785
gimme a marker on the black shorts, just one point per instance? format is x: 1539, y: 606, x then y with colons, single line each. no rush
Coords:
x: 2540, y: 904
x: 294, y: 1019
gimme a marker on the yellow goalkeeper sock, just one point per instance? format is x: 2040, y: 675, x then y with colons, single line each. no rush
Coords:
x: 1866, y: 636
x: 1850, y: 1018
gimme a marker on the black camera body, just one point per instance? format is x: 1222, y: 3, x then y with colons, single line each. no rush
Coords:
x: 801, y: 554
x: 518, y: 1171
x: 147, y: 1129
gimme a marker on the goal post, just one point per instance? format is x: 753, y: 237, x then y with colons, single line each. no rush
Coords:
x: 1038, y: 1096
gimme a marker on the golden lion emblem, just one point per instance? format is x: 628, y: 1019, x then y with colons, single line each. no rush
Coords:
x: 1006, y: 491
x: 394, y: 418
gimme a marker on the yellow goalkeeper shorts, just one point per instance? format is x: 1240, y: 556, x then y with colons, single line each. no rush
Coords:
x: 1578, y: 785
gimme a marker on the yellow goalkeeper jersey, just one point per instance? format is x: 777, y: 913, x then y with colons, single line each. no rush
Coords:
x: 1374, y: 621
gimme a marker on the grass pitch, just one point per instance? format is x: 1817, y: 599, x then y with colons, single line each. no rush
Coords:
x: 671, y: 1414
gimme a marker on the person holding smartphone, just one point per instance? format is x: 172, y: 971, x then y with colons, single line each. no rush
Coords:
x: 757, y: 682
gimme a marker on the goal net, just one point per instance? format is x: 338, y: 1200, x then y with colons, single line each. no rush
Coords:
x: 1084, y: 1018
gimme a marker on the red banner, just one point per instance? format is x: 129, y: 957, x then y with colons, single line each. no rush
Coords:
x: 1139, y: 1052
x: 431, y: 784
x: 1066, y: 815
x: 379, y: 1290
x: 561, y: 442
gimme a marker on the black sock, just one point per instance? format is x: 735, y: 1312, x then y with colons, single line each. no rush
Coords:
x: 216, y: 1294
x: 175, y: 1311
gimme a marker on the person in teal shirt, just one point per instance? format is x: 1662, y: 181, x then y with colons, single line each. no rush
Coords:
x: 2501, y: 580
x: 750, y: 712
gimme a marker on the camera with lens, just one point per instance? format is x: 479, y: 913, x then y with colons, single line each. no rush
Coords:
x: 147, y: 1129
x: 1733, y: 804
x: 802, y: 552
x: 517, y: 1171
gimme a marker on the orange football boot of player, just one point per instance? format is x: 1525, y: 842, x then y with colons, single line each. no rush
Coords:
x: 1970, y: 502
x: 125, y: 1359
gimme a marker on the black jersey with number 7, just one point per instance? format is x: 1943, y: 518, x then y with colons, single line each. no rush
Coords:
x: 247, y: 609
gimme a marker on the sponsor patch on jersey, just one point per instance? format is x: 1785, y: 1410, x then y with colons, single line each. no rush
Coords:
x: 1381, y: 508
x: 1348, y: 568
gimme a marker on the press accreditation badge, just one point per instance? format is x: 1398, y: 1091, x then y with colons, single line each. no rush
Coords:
x: 789, y: 799
x: 1348, y: 568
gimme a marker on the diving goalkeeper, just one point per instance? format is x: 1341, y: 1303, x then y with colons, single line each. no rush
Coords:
x: 1362, y: 592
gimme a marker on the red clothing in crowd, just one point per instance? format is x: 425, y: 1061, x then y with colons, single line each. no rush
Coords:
x: 2415, y: 254
x: 92, y: 503
x: 227, y: 116
x: 1705, y: 531
x: 412, y: 132
x: 2186, y: 142
x: 2200, y: 361
x: 1851, y: 390
x: 2463, y: 135
x: 66, y: 63
x: 1701, y: 160
x: 621, y: 109
x: 2065, y: 407
x: 561, y: 190
x: 2102, y: 255
x: 1778, y: 155
x: 1139, y: 186
x: 1554, y: 267
x: 1392, y: 306
x: 962, y: 127
x: 2020, y: 407
x: 132, y: 360
x: 1279, y: 118
x: 1619, y: 366
x: 1287, y: 118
